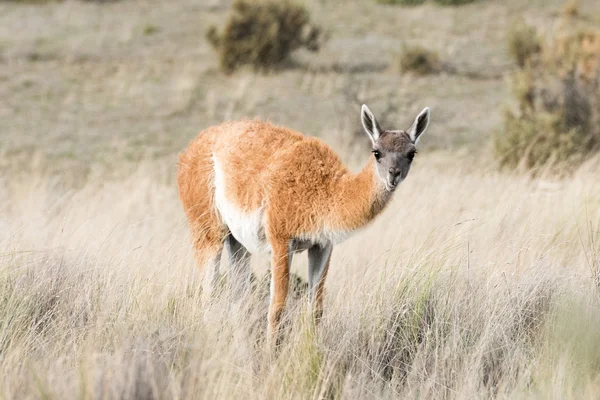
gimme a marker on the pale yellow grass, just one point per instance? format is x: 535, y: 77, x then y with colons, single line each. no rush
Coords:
x: 472, y: 284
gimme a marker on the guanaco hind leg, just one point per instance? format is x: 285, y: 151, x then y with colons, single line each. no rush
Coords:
x: 208, y: 261
x: 240, y: 270
x: 318, y: 265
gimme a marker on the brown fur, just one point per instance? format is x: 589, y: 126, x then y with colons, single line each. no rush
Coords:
x: 302, y: 181
x: 305, y: 191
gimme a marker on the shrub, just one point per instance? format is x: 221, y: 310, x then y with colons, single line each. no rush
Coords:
x: 402, y: 2
x: 523, y: 42
x: 418, y: 60
x: 418, y: 2
x: 557, y: 90
x: 54, y: 1
x: 570, y: 8
x: 454, y: 2
x: 262, y: 34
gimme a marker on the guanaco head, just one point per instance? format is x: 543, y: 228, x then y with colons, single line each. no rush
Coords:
x: 393, y: 150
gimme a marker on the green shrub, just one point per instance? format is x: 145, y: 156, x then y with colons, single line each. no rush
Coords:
x: 557, y: 121
x: 523, y: 42
x: 418, y: 60
x: 262, y: 34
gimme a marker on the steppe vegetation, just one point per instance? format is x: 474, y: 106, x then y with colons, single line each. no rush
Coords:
x: 263, y: 34
x: 556, y: 123
x: 477, y: 282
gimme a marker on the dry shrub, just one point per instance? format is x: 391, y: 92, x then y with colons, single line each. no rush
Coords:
x: 419, y: 2
x: 29, y: 1
x: 402, y: 2
x: 263, y: 34
x: 523, y: 42
x: 54, y: 1
x: 558, y: 95
x: 418, y: 60
x: 570, y: 8
x: 454, y: 2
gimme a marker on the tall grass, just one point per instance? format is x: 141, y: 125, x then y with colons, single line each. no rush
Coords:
x: 472, y: 285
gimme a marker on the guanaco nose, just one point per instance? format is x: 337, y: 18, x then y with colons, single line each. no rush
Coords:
x: 394, y: 172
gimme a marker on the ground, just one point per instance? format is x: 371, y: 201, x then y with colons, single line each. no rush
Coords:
x: 474, y: 283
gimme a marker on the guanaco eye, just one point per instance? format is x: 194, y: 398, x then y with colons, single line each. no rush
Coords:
x: 377, y: 154
x: 411, y: 155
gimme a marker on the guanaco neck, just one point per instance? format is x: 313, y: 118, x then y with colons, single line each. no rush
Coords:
x: 360, y: 198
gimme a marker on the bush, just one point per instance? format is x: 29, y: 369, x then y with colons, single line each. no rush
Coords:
x: 570, y: 8
x: 418, y: 2
x: 454, y: 2
x: 54, y: 1
x: 262, y: 34
x: 418, y: 60
x: 402, y: 2
x: 538, y: 140
x: 523, y: 42
x: 557, y: 90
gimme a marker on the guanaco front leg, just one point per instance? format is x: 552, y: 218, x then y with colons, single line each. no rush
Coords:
x: 280, y: 281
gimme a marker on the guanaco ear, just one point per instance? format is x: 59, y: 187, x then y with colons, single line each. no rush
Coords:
x: 419, y: 126
x: 370, y: 123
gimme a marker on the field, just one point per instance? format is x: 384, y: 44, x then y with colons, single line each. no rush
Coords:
x: 475, y: 283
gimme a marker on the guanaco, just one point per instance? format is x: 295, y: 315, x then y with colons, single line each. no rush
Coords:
x: 254, y: 187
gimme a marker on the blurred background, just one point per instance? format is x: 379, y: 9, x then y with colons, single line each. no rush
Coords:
x: 98, y: 86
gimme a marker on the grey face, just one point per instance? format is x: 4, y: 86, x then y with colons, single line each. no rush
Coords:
x: 394, y: 151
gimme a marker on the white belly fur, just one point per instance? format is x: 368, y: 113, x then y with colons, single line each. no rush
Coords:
x: 246, y: 227
x: 326, y: 237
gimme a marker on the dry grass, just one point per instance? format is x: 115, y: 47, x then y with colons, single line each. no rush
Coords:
x: 472, y: 284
